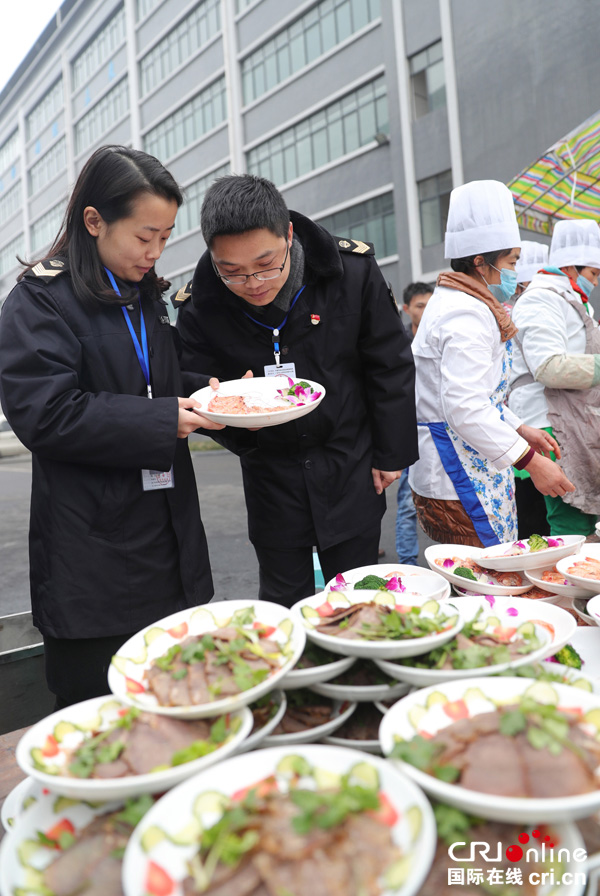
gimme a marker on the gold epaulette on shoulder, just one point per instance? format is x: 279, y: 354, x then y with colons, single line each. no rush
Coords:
x: 48, y: 269
x: 357, y: 247
x: 182, y: 295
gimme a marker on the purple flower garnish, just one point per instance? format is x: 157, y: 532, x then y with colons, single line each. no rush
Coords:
x: 314, y: 396
x: 512, y: 612
x: 291, y: 382
x: 448, y: 562
x: 490, y: 599
x: 555, y: 542
x: 340, y: 583
x: 519, y: 544
x: 395, y: 584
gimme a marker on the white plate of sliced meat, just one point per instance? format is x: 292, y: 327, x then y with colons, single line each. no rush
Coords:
x: 377, y: 624
x: 382, y: 841
x: 314, y: 666
x: 549, y: 579
x: 502, y: 748
x: 102, y: 749
x: 499, y: 633
x: 259, y: 401
x: 207, y: 661
x: 583, y: 569
x: 361, y: 731
x: 462, y: 567
x: 397, y: 577
x: 308, y: 718
x: 63, y: 846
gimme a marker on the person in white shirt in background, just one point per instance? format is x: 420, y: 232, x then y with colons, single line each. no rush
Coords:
x: 468, y: 439
x: 555, y: 382
x: 531, y: 505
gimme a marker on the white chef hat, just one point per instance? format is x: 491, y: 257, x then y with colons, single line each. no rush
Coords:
x: 481, y: 218
x: 575, y: 242
x: 533, y: 257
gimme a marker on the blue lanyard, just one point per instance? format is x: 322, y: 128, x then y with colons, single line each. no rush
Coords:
x: 140, y: 350
x: 277, y: 330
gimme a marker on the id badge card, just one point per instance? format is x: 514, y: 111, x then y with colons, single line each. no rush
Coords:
x: 283, y: 369
x: 155, y: 479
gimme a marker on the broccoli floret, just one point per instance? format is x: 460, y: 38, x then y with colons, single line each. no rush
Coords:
x: 371, y: 583
x: 568, y: 656
x: 537, y: 543
x: 465, y: 572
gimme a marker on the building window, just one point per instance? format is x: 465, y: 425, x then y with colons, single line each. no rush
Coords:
x: 434, y: 199
x: 44, y: 230
x: 372, y: 221
x: 334, y: 131
x: 95, y: 123
x: 101, y: 47
x: 48, y: 108
x: 190, y: 122
x: 9, y: 151
x: 8, y: 254
x: 242, y: 4
x: 427, y: 80
x: 188, y: 216
x: 10, y: 203
x: 51, y: 164
x: 144, y: 7
x: 313, y: 34
x: 180, y: 44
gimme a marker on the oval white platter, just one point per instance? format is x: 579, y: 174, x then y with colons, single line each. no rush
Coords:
x: 259, y: 391
x: 497, y: 557
x: 126, y: 673
x: 488, y: 583
x: 167, y: 835
x: 43, y: 752
x: 553, y: 626
x: 430, y: 710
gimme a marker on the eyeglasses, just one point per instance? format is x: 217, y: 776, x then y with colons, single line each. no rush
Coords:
x: 268, y: 274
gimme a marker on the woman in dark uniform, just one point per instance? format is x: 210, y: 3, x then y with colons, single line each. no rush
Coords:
x: 89, y: 376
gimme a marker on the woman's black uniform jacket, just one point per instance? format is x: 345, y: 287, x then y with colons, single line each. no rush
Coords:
x: 312, y: 477
x: 105, y: 556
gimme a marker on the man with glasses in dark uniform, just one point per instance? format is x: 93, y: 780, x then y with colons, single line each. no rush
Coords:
x: 276, y: 293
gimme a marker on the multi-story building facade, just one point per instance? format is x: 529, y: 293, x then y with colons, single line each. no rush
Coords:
x: 364, y: 112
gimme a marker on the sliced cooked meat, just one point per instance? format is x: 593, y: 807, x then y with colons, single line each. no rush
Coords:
x: 72, y: 870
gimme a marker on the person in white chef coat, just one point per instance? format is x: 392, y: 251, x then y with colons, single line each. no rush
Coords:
x: 468, y: 439
x: 555, y: 382
x: 531, y: 505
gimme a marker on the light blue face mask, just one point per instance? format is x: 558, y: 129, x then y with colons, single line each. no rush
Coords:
x: 505, y: 290
x: 584, y: 284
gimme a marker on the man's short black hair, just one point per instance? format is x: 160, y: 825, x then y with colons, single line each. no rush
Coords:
x: 416, y: 289
x: 238, y: 203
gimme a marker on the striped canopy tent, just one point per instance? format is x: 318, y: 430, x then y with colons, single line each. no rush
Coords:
x: 564, y: 183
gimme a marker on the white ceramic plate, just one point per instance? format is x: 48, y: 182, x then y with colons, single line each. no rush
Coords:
x: 586, y: 641
x: 593, y: 608
x: 432, y: 709
x: 256, y: 738
x: 544, y: 597
x: 342, y: 710
x: 68, y: 728
x: 590, y: 586
x: 260, y: 391
x: 25, y: 794
x: 22, y: 856
x: 362, y: 693
x: 304, y: 678
x: 489, y: 586
x: 126, y: 672
x: 495, y: 557
x: 307, y: 611
x: 555, y: 588
x: 553, y: 626
x: 367, y: 746
x: 413, y: 578
x: 161, y: 836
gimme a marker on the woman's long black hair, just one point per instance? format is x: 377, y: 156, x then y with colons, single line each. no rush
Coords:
x: 110, y: 181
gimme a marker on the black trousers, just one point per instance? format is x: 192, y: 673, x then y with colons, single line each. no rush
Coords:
x: 531, y: 509
x: 286, y: 575
x: 77, y: 668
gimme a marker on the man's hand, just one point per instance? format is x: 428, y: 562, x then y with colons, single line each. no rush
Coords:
x: 383, y: 478
x: 548, y: 477
x: 539, y: 439
x: 190, y: 420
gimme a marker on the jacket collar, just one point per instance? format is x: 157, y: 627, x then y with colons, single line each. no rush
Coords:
x: 321, y: 261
